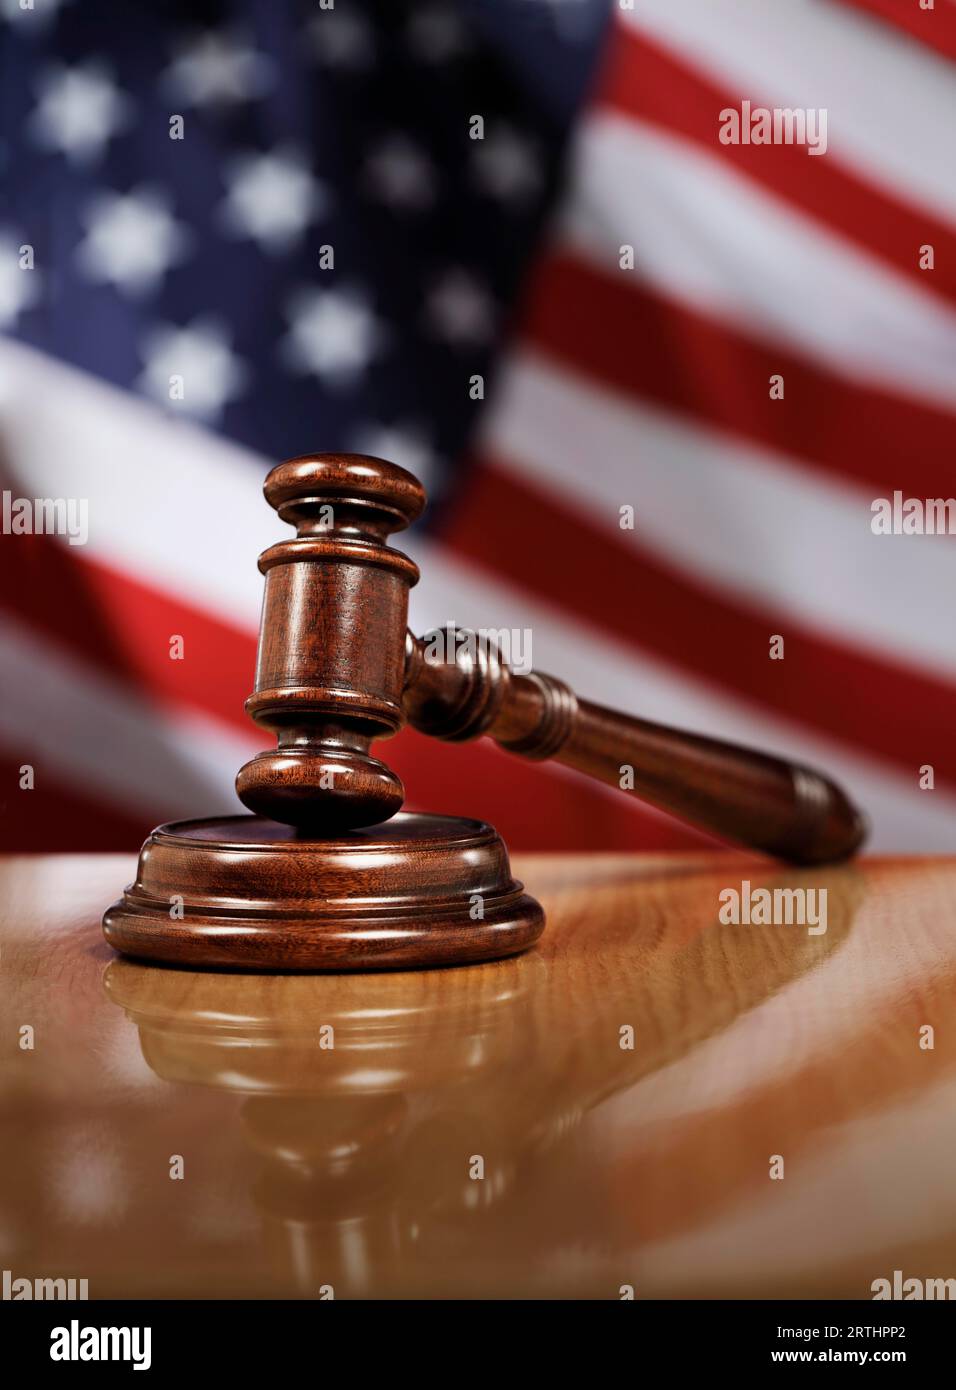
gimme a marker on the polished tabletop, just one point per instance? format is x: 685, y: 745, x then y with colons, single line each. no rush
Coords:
x: 605, y: 1111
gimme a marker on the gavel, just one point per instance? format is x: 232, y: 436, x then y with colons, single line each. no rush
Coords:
x: 338, y: 669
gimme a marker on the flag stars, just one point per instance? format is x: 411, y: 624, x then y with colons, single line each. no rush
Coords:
x: 132, y: 240
x: 19, y: 288
x: 192, y: 369
x: 406, y: 444
x: 40, y: 12
x: 398, y: 174
x: 459, y: 310
x: 342, y: 39
x: 272, y: 199
x: 436, y: 34
x: 219, y: 69
x: 333, y: 335
x: 79, y: 111
x: 507, y: 166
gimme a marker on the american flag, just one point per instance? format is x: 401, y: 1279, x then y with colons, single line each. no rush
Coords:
x: 501, y: 243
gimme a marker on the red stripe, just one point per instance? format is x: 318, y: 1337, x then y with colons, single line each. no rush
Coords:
x: 637, y: 343
x: 644, y: 80
x: 112, y: 621
x: 891, y: 713
x: 122, y: 627
x: 54, y: 817
x: 935, y: 27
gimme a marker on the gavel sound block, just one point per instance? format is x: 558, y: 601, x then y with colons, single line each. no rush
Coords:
x: 329, y: 873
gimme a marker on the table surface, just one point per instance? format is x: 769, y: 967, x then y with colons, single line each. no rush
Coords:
x: 307, y: 1165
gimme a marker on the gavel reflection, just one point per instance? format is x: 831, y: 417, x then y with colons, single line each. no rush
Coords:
x: 363, y: 1178
x: 337, y: 669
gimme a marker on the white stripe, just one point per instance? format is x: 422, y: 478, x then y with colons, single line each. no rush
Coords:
x: 715, y: 240
x: 744, y: 520
x: 169, y: 501
x: 891, y: 102
x: 81, y: 728
x: 612, y: 673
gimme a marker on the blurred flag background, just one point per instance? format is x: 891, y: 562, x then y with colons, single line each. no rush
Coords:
x: 282, y: 204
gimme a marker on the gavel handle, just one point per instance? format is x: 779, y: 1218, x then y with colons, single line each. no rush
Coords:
x: 757, y: 800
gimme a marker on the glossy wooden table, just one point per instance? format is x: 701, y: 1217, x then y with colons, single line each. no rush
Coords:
x: 349, y: 1166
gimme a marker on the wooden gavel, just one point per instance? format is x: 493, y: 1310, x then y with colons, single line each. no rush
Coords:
x: 338, y: 669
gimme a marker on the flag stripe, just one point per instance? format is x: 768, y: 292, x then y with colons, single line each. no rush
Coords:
x: 715, y: 509
x: 155, y: 484
x: 706, y: 236
x: 60, y: 816
x: 641, y: 344
x: 104, y: 662
x: 858, y: 699
x: 475, y: 779
x: 643, y: 80
x: 95, y: 731
x: 891, y: 105
x: 605, y: 667
x: 936, y: 27
x: 127, y: 629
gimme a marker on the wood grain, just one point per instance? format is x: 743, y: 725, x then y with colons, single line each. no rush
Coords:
x: 307, y: 1165
x: 331, y: 662
x: 739, y: 794
x: 337, y: 670
x: 244, y: 893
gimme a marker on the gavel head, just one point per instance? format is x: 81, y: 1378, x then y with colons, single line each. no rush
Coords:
x: 331, y: 663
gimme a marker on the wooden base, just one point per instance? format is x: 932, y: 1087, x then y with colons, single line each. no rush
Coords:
x: 246, y: 893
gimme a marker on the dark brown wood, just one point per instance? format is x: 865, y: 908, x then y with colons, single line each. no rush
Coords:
x: 247, y: 893
x: 338, y: 890
x: 738, y: 793
x: 314, y: 880
x: 334, y: 658
x: 331, y: 645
